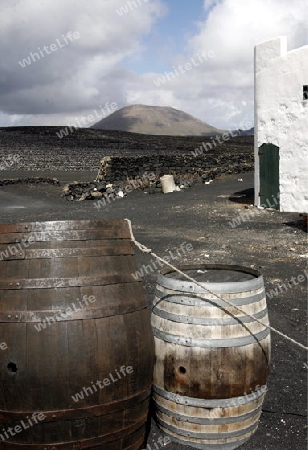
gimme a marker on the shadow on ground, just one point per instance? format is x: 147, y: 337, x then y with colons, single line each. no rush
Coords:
x: 244, y: 197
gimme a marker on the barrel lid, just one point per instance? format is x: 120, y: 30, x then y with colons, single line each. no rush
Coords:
x: 217, y: 277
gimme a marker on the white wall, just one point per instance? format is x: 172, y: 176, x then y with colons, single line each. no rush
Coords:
x: 281, y: 118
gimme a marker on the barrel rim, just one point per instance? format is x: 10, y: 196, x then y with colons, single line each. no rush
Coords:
x: 216, y: 287
x: 63, y: 225
x: 60, y: 222
x: 197, y: 402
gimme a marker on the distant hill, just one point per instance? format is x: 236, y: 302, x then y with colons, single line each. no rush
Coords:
x: 156, y: 120
x: 250, y: 132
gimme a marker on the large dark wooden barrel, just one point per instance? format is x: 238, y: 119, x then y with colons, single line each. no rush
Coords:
x: 211, y: 363
x: 76, y: 345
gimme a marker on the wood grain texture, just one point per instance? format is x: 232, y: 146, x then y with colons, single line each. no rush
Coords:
x: 210, y: 385
x: 71, y: 352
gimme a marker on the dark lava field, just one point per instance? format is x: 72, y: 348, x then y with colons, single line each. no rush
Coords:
x: 41, y: 148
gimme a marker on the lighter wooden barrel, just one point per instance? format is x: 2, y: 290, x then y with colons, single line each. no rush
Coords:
x: 211, y: 363
x: 60, y: 345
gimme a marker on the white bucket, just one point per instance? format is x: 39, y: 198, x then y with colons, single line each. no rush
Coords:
x: 167, y: 184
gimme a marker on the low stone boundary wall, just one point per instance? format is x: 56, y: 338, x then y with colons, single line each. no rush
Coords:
x: 120, y: 175
x: 33, y: 180
x: 115, y: 169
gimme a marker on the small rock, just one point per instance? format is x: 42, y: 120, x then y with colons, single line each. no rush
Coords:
x: 83, y: 197
x: 96, y: 194
x: 101, y: 187
x: 66, y: 189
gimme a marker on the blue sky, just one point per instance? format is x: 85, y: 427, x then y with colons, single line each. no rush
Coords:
x: 168, y: 36
x: 119, y: 58
x: 179, y: 23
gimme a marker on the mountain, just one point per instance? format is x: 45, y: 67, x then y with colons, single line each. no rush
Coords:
x: 250, y: 132
x: 156, y: 120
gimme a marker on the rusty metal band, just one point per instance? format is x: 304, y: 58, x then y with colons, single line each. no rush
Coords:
x: 209, y: 435
x: 117, y: 249
x: 240, y: 341
x: 82, y: 444
x: 209, y: 446
x: 208, y: 403
x: 210, y: 420
x: 188, y: 299
x: 137, y: 445
x: 190, y: 320
x: 50, y: 283
x: 55, y: 316
x: 229, y: 287
x: 79, y: 413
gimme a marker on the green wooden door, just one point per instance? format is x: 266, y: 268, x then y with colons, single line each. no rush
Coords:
x: 269, y: 175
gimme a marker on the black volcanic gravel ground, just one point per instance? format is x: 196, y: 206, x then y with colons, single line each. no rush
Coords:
x: 39, y: 148
x: 271, y: 241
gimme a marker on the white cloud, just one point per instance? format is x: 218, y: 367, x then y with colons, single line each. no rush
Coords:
x: 78, y: 77
x: 92, y: 70
x: 233, y: 27
x: 220, y: 91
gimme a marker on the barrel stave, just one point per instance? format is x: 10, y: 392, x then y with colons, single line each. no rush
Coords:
x: 51, y: 270
x: 212, y: 362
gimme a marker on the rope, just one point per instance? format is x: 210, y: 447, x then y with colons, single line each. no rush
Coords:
x: 145, y: 249
x: 98, y: 174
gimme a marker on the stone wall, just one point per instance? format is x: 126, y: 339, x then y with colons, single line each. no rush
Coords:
x: 205, y: 166
x: 119, y: 175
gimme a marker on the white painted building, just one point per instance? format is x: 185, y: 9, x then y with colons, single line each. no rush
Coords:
x: 281, y: 126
